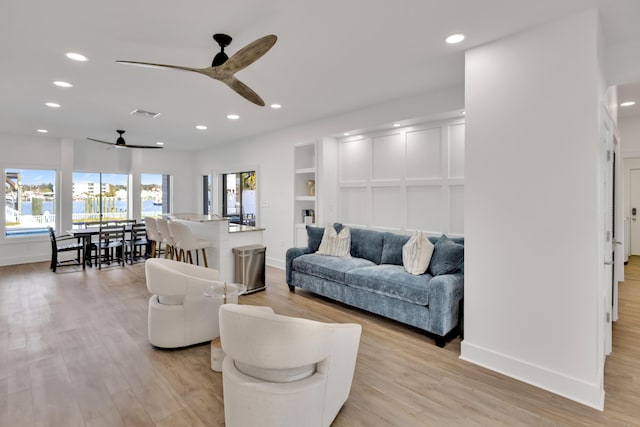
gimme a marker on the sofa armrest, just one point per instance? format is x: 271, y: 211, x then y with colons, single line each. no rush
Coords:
x: 445, y: 294
x: 293, y: 253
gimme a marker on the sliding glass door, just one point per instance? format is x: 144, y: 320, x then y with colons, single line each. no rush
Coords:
x: 99, y: 197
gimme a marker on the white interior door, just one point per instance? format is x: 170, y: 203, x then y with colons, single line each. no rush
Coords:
x: 609, y: 242
x: 634, y: 211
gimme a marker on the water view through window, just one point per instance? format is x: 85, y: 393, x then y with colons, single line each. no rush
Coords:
x: 99, y: 197
x: 29, y: 201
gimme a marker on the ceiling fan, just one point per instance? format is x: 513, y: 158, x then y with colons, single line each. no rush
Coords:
x: 223, y: 68
x: 120, y: 142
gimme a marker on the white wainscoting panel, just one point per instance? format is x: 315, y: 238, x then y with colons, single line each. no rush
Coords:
x: 386, y: 203
x: 355, y: 160
x: 423, y: 153
x: 456, y: 209
x: 355, y: 205
x: 425, y: 208
x: 456, y: 151
x: 405, y: 179
x: 388, y: 157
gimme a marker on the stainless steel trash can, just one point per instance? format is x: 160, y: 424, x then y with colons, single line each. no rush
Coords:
x: 249, y: 266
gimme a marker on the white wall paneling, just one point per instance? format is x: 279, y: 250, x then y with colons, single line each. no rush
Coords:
x: 354, y: 203
x: 408, y: 179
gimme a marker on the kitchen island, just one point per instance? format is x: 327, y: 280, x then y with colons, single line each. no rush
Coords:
x: 223, y: 235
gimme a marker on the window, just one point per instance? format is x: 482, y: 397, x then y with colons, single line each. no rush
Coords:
x: 206, y: 194
x: 30, y: 201
x: 239, y: 200
x: 155, y: 191
x: 99, y: 197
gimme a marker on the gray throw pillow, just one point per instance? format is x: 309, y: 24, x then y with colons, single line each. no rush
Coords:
x: 447, y: 257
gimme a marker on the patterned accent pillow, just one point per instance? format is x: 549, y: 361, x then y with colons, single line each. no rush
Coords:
x: 416, y: 253
x: 334, y: 243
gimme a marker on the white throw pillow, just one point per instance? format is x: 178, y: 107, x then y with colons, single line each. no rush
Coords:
x: 334, y: 243
x: 416, y: 253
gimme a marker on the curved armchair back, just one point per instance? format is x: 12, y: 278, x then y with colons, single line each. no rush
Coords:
x: 272, y: 341
x: 281, y: 370
x: 166, y: 277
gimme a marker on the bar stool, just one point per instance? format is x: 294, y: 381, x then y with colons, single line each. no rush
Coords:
x: 166, y: 237
x: 185, y: 242
x: 154, y: 236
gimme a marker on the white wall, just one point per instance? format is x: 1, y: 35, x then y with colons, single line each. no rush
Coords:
x: 274, y: 155
x: 629, y: 131
x: 533, y: 219
x: 65, y: 157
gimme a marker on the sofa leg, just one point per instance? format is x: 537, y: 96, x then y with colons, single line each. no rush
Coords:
x: 292, y: 288
x: 441, y: 341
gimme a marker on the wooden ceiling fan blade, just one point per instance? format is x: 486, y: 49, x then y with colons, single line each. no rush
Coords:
x: 248, y: 54
x: 159, y: 66
x: 140, y: 146
x: 244, y: 91
x: 103, y: 142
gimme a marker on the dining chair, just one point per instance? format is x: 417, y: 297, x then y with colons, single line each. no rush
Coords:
x: 110, y: 245
x: 184, y: 242
x: 136, y: 241
x: 167, y: 238
x: 65, y: 244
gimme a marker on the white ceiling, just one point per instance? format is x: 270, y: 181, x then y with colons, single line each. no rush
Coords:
x: 331, y: 56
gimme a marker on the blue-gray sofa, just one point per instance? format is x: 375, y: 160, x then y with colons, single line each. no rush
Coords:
x: 373, y: 279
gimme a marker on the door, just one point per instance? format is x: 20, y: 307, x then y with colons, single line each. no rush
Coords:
x: 634, y: 211
x: 610, y: 240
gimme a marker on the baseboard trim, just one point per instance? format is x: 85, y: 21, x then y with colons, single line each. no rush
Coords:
x: 24, y: 260
x: 588, y: 394
x: 274, y: 262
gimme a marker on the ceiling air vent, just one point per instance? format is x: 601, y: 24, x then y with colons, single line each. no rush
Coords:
x: 149, y: 114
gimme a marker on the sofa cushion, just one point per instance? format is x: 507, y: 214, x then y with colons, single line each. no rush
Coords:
x: 448, y: 257
x: 334, y: 243
x: 392, y: 281
x: 326, y: 267
x: 416, y: 253
x: 366, y: 244
x: 392, y: 244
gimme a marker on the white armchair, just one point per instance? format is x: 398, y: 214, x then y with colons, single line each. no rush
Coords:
x: 179, y: 313
x: 284, y: 371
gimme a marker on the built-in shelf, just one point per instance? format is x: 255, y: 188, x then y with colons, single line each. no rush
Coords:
x: 305, y: 189
x: 306, y: 170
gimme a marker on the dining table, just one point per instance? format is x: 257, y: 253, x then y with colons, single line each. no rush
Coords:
x: 85, y: 235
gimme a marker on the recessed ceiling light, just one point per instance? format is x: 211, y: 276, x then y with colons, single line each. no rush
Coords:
x: 233, y: 116
x: 62, y: 84
x: 464, y: 113
x: 276, y: 106
x: 159, y: 143
x: 347, y: 134
x: 76, y: 56
x: 628, y: 104
x: 396, y: 125
x: 201, y: 127
x: 52, y: 105
x: 455, y: 38
x: 43, y: 130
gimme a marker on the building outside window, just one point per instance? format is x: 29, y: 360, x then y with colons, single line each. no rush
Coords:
x: 99, y: 197
x: 155, y: 194
x: 30, y: 201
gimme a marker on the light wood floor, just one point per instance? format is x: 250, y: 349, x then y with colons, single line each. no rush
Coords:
x: 74, y: 352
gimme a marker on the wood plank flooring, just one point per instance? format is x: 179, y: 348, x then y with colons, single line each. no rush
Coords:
x: 74, y: 352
